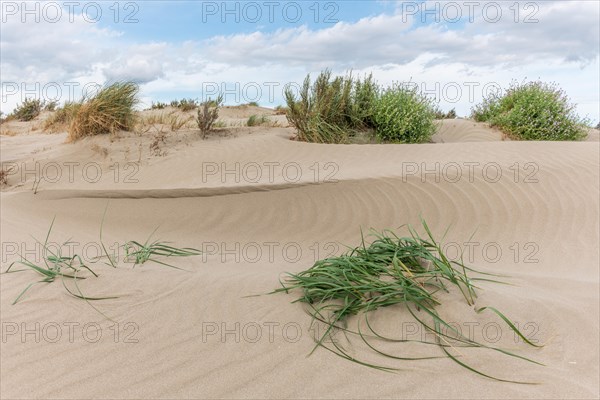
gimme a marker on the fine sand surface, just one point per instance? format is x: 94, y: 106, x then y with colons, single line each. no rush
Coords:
x: 279, y: 205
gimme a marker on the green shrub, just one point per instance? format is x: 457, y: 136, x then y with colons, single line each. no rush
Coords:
x: 404, y: 115
x: 111, y: 109
x: 331, y: 110
x: 532, y: 111
x: 253, y: 104
x: 208, y: 112
x: 29, y: 109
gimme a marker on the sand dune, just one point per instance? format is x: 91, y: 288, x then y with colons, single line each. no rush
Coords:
x: 537, y: 203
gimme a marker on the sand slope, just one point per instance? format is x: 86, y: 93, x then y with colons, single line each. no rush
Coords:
x: 197, y: 335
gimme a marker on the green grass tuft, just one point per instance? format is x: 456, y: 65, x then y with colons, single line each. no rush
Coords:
x: 410, y: 272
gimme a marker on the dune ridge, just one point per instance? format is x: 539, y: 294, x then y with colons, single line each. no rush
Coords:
x: 547, y: 228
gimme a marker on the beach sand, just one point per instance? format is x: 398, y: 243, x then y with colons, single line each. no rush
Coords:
x: 259, y: 205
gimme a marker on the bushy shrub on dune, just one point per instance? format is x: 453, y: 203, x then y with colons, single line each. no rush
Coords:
x: 532, y: 111
x: 404, y: 115
x: 110, y: 110
x: 330, y: 110
x: 28, y: 110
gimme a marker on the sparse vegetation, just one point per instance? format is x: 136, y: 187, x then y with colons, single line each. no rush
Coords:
x: 28, y: 110
x: 281, y: 110
x: 171, y: 119
x: 404, y: 115
x: 256, y: 120
x: 411, y: 273
x: 439, y: 114
x: 158, y: 105
x: 532, y: 111
x: 110, y: 110
x: 156, y: 144
x: 57, y: 266
x: 252, y: 104
x: 51, y: 106
x: 208, y: 113
x: 4, y: 173
x: 187, y: 104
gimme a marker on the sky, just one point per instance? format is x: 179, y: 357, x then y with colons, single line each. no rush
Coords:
x: 454, y: 51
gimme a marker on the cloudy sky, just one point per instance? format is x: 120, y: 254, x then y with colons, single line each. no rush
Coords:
x: 453, y: 50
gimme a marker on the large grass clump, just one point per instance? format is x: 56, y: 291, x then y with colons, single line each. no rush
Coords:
x: 532, y: 111
x: 331, y: 110
x: 108, y: 111
x: 404, y: 115
x: 410, y: 273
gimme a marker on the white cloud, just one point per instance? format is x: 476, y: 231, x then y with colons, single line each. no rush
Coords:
x: 562, y: 46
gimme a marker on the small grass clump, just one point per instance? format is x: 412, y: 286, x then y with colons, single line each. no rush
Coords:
x: 4, y: 173
x: 28, y: 110
x: 281, y: 110
x: 331, y: 110
x: 187, y: 104
x: 51, y: 105
x: 208, y: 113
x: 411, y: 272
x: 439, y: 114
x: 532, y: 111
x: 257, y: 120
x: 404, y: 115
x: 252, y: 104
x: 55, y: 266
x: 60, y: 120
x: 158, y: 105
x: 110, y: 110
x: 139, y: 253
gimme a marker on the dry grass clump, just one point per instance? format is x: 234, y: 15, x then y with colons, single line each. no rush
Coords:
x: 171, y: 119
x: 281, y: 110
x: 110, y: 110
x: 4, y: 173
x: 60, y: 120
